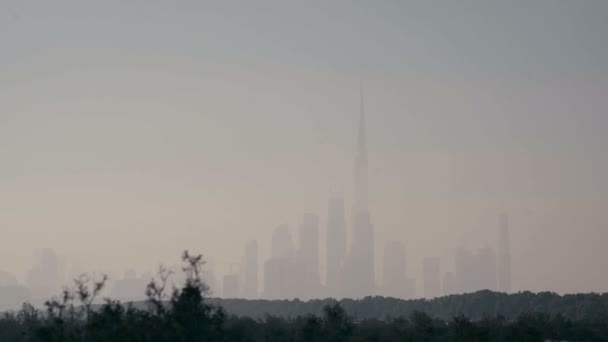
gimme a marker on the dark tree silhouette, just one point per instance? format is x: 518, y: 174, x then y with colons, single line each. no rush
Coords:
x: 187, y: 314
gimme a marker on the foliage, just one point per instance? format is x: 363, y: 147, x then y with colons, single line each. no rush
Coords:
x: 186, y: 314
x: 475, y: 306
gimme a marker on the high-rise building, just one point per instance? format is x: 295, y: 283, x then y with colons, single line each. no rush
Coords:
x: 394, y: 282
x: 7, y: 279
x: 474, y: 272
x: 359, y: 268
x: 361, y: 185
x: 336, y: 246
x: 129, y: 287
x: 43, y: 279
x: 504, y: 255
x: 308, y: 256
x: 230, y: 286
x: 309, y: 245
x: 449, y: 284
x: 209, y: 277
x: 486, y: 268
x: 410, y: 287
x: 250, y: 270
x: 280, y: 271
x: 282, y: 243
x: 431, y: 277
x: 278, y: 279
x: 464, y: 267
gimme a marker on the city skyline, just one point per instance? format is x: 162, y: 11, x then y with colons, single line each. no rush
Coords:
x: 294, y: 269
x: 130, y: 132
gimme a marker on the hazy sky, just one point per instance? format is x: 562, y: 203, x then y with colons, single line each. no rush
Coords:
x: 131, y: 130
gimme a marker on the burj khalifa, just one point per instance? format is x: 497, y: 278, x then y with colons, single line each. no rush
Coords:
x: 359, y: 268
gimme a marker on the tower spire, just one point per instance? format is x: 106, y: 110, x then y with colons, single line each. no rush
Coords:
x: 361, y: 186
x: 361, y: 138
x: 359, y: 268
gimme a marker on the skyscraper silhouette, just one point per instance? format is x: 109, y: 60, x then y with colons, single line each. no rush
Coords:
x: 43, y: 279
x: 336, y: 246
x: 281, y: 276
x: 308, y: 257
x: 250, y: 272
x: 282, y: 243
x: 448, y: 285
x: 473, y: 271
x: 464, y: 267
x: 361, y: 185
x: 230, y: 286
x: 394, y: 282
x: 486, y: 269
x: 431, y: 277
x: 504, y: 255
x: 359, y: 269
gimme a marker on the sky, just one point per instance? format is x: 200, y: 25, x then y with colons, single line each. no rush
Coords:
x: 132, y: 130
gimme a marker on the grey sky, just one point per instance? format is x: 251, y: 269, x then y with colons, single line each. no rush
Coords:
x: 130, y: 130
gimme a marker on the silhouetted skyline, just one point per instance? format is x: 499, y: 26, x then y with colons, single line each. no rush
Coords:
x: 294, y: 272
x: 130, y: 132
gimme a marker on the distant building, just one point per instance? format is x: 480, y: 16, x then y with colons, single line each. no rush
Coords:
x: 281, y: 273
x: 359, y: 270
x: 410, y: 288
x: 282, y: 243
x: 486, y: 268
x: 278, y: 278
x: 504, y: 255
x: 336, y: 246
x: 13, y: 296
x: 474, y: 272
x: 449, y: 284
x: 7, y: 279
x: 308, y: 257
x: 43, y: 278
x: 209, y: 276
x: 212, y: 283
x: 250, y: 270
x: 230, y: 286
x: 431, y: 278
x: 465, y: 271
x: 394, y: 282
x: 130, y: 287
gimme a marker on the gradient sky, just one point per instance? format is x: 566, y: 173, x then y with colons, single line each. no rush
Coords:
x: 131, y: 130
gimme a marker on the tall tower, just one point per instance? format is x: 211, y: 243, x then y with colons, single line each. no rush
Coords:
x: 359, y: 270
x: 361, y: 182
x: 486, y: 269
x: 308, y: 257
x: 336, y: 246
x: 282, y: 243
x: 394, y: 280
x: 431, y: 277
x: 280, y: 280
x: 250, y: 272
x: 504, y: 255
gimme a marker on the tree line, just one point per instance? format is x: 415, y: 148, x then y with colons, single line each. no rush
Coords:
x: 187, y: 314
x: 475, y: 306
